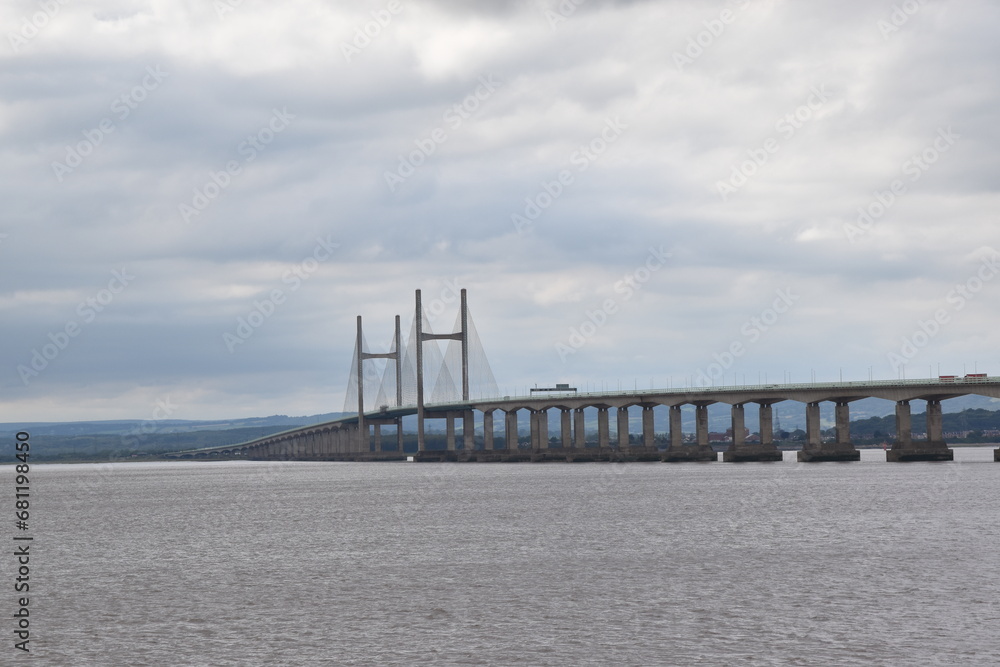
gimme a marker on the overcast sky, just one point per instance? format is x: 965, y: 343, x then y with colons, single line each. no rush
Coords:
x: 631, y: 192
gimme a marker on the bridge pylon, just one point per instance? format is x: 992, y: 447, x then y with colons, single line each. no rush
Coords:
x: 462, y: 336
x: 397, y: 356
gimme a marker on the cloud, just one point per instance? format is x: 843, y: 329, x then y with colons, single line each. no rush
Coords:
x: 204, y: 135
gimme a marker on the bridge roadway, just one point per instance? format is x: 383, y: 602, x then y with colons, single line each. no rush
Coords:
x: 341, y: 440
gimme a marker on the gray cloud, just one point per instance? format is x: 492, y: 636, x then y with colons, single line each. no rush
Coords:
x: 323, y: 175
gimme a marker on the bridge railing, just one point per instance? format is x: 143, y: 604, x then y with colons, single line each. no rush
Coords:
x: 958, y: 381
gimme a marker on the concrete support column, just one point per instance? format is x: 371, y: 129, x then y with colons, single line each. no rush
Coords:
x: 603, y: 435
x: 399, y: 434
x: 533, y: 429
x: 842, y: 414
x: 565, y: 429
x: 488, y: 430
x: 904, y: 428
x: 468, y: 430
x: 766, y: 413
x: 543, y: 429
x: 935, y: 426
x: 739, y: 425
x: 676, y: 434
x: 511, y: 429
x: 813, y: 438
x: 701, y: 425
x: 378, y: 437
x: 450, y: 430
x: 648, y: 432
x: 623, y: 428
x: 579, y: 429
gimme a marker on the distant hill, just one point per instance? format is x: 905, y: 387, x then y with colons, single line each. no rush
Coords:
x: 126, y: 426
x: 128, y: 439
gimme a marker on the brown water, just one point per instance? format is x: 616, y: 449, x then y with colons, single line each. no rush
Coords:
x: 549, y: 564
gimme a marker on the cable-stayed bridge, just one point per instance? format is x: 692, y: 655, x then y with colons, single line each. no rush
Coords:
x: 386, y: 388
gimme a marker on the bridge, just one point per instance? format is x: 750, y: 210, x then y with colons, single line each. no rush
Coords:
x: 464, y: 395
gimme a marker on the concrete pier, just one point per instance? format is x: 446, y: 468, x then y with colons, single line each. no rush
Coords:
x: 648, y: 428
x: 603, y: 435
x: 677, y: 451
x: 743, y: 452
x: 450, y: 431
x: 542, y: 422
x: 579, y: 429
x: 468, y: 430
x: 817, y: 451
x: 510, y: 430
x: 904, y: 449
x: 623, y: 428
x: 488, y: 430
